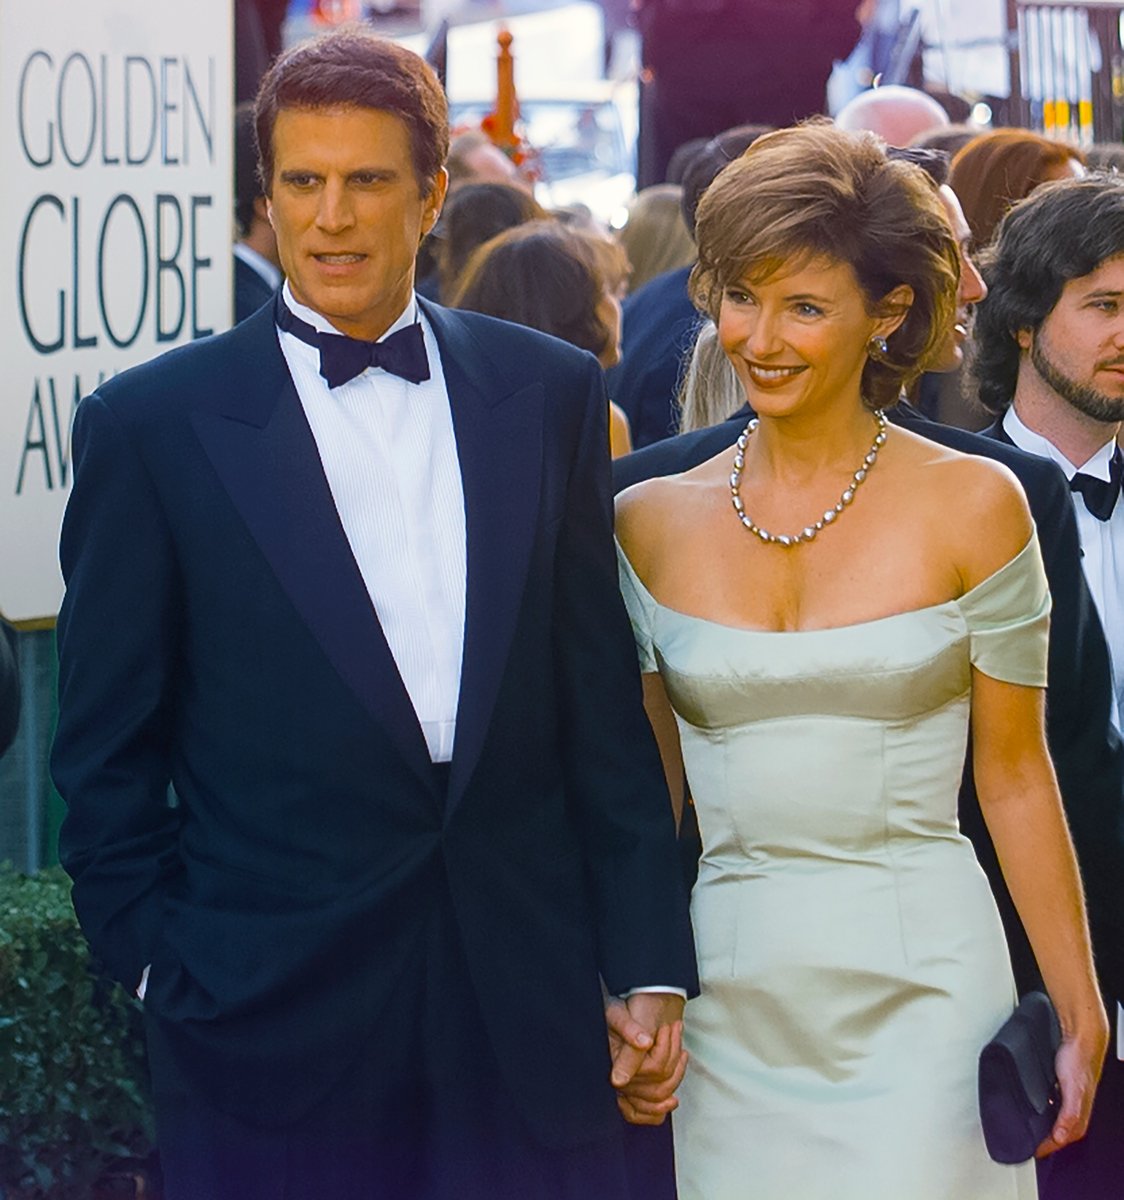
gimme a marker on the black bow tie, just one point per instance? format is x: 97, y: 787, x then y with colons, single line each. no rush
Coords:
x: 1100, y: 495
x: 342, y: 358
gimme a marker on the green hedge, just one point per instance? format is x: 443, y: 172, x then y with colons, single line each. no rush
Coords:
x: 73, y: 1081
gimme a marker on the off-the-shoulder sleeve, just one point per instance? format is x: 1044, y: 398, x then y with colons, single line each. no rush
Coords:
x: 1008, y: 618
x: 641, y: 611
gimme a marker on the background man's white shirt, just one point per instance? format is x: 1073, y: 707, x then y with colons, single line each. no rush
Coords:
x: 1102, y: 545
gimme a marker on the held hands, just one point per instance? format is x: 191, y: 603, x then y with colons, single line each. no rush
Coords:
x: 646, y: 1044
x: 1078, y: 1064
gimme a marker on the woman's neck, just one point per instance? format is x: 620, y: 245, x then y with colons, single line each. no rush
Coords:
x: 799, y: 448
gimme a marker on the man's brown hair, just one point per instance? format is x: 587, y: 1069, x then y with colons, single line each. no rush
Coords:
x: 352, y: 68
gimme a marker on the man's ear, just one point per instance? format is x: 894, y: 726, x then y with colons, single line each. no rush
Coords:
x: 1025, y: 339
x: 261, y: 208
x: 268, y: 209
x: 435, y: 201
x: 893, y: 309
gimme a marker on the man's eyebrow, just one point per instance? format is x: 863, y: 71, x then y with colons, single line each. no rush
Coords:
x: 1103, y: 294
x: 298, y: 172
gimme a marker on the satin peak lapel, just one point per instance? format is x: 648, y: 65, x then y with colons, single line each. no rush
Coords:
x: 263, y: 450
x: 499, y: 446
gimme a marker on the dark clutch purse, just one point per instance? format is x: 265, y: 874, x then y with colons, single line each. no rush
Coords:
x: 1019, y: 1092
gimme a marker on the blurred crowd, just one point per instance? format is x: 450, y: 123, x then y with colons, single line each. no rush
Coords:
x: 643, y: 266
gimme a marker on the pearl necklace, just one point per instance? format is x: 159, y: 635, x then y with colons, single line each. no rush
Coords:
x: 809, y: 531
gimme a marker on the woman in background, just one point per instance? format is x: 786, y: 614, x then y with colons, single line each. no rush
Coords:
x: 474, y: 214
x: 710, y: 392
x: 1000, y: 167
x: 560, y: 281
x: 655, y: 237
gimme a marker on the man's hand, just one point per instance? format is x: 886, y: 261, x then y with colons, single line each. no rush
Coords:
x: 646, y: 1043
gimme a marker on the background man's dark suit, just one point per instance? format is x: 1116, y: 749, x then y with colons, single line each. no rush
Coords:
x: 720, y: 63
x: 658, y: 327
x: 251, y: 291
x: 1087, y: 753
x: 1092, y: 1167
x: 306, y: 891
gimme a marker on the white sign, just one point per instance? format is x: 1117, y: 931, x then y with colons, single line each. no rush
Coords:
x: 115, y: 232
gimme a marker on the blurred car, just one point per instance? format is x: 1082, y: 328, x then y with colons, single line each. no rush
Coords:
x: 583, y: 140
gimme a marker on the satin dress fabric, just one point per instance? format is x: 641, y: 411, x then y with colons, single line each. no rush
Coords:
x: 851, y: 957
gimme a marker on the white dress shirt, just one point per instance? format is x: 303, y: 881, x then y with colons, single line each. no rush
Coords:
x: 1102, y: 544
x: 390, y: 457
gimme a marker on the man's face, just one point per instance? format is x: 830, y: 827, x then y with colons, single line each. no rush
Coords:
x: 1078, y: 350
x: 348, y: 213
x: 972, y: 288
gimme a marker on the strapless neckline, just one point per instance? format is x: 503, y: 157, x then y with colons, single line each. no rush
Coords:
x: 956, y: 602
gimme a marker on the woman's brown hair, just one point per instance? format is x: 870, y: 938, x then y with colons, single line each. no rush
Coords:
x: 474, y: 214
x: 543, y: 275
x: 998, y: 168
x: 814, y: 191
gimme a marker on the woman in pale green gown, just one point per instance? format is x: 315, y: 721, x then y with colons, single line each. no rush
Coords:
x: 821, y: 613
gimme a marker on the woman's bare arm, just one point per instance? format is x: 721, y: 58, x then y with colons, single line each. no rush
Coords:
x: 1022, y: 807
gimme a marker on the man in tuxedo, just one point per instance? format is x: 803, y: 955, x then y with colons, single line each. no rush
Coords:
x: 1050, y: 364
x: 1087, y: 751
x: 343, y: 579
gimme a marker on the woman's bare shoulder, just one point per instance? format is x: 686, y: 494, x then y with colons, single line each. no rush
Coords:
x: 642, y: 510
x: 976, y: 502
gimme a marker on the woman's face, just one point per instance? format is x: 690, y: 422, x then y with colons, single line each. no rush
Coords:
x: 798, y: 338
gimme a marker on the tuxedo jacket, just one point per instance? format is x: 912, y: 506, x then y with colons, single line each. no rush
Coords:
x: 1087, y: 752
x: 216, y: 636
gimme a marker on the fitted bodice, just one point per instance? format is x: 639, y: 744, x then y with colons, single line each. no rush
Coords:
x: 843, y: 738
x: 851, y: 958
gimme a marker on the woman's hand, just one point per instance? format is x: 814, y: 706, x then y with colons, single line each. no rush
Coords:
x: 1078, y: 1063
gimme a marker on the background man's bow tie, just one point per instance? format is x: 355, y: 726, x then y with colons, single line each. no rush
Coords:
x: 1100, y: 495
x: 343, y: 358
